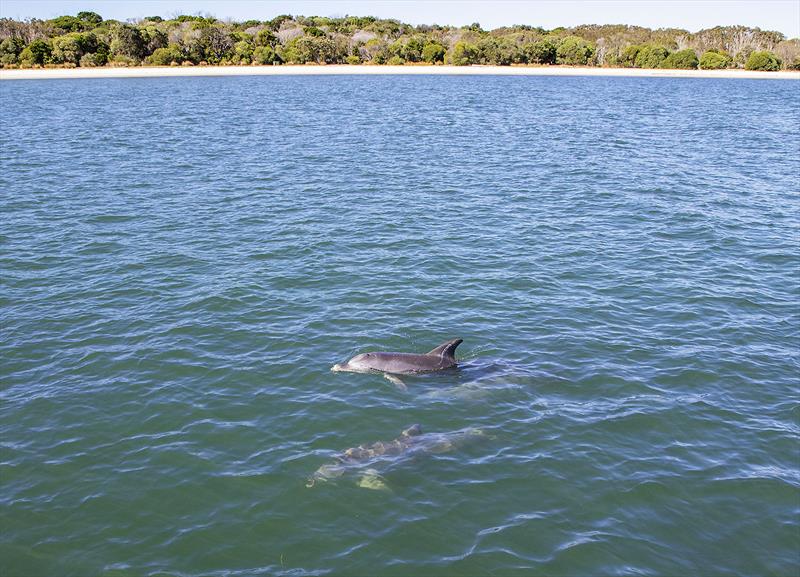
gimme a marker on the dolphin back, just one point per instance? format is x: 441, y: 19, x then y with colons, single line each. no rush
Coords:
x: 446, y: 350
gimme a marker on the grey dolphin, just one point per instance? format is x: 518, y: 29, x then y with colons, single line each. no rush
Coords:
x: 440, y: 358
x: 411, y: 441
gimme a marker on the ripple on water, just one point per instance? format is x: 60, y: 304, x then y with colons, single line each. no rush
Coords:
x: 620, y: 263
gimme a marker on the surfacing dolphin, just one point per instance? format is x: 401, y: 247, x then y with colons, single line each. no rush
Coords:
x: 391, y: 364
x: 411, y: 442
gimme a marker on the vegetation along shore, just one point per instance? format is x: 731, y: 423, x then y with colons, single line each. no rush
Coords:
x: 88, y: 41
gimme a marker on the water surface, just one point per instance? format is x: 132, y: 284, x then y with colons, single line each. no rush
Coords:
x: 183, y: 259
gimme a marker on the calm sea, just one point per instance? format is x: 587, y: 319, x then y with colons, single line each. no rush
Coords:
x: 182, y: 261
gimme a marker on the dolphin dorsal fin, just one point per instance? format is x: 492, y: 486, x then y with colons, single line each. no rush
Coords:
x: 446, y: 350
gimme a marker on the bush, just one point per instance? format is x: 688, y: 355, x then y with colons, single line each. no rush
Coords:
x: 794, y: 64
x: 464, y: 54
x: 628, y: 56
x: 395, y: 61
x: 69, y: 48
x: 242, y: 52
x: 763, y: 60
x: 541, y: 52
x: 685, y: 59
x: 433, y: 53
x: 353, y: 59
x: 714, y: 60
x: 265, y: 55
x: 574, y: 51
x: 93, y: 59
x: 37, y: 53
x: 166, y: 56
x: 650, y: 56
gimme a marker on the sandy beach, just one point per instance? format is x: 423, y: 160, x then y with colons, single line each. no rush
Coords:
x: 163, y: 71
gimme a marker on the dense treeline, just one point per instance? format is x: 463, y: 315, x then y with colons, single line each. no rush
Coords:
x: 88, y: 40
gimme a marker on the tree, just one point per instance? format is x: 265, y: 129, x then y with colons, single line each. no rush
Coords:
x: 243, y: 52
x: 651, y: 56
x: 574, y: 51
x: 464, y: 54
x: 265, y: 55
x: 128, y: 41
x: 714, y: 60
x: 685, y: 59
x: 628, y: 56
x: 10, y: 49
x: 541, y: 52
x: 763, y: 60
x: 166, y: 56
x: 70, y: 48
x: 91, y: 18
x: 433, y: 52
x: 37, y: 53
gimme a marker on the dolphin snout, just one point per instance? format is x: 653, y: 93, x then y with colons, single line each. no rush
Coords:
x: 337, y: 367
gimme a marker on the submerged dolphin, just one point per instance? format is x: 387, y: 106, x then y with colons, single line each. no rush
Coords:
x: 411, y: 442
x: 442, y: 357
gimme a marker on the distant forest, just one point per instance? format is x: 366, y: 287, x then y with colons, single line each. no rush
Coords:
x: 88, y: 40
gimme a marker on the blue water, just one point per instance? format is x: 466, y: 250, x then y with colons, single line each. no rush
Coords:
x: 182, y: 261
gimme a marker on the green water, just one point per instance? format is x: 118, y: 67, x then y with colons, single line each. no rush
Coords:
x: 183, y: 260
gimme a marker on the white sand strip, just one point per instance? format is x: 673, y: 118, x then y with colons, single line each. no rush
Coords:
x: 158, y: 71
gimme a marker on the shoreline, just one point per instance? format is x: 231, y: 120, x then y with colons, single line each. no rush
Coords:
x: 344, y: 69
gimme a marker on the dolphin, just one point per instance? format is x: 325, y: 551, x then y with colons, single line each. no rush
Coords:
x: 412, y: 441
x: 391, y: 364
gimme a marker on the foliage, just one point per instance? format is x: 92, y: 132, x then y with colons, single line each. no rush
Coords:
x: 265, y: 55
x: 464, y: 54
x: 196, y: 39
x: 714, y: 60
x: 650, y: 56
x: 762, y: 60
x: 685, y: 59
x: 574, y: 51
x: 541, y: 52
x: 166, y: 56
x: 433, y: 52
x: 37, y: 53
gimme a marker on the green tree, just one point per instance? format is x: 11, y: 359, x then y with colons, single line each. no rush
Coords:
x: 685, y: 59
x: 69, y: 24
x: 127, y: 41
x: 628, y: 56
x: 93, y: 19
x: 464, y: 54
x: 433, y: 52
x: 763, y: 60
x: 650, y: 56
x: 10, y: 49
x: 37, y: 53
x: 714, y: 60
x: 541, y: 52
x: 70, y: 48
x: 265, y: 55
x: 166, y: 55
x: 574, y: 51
x: 243, y: 52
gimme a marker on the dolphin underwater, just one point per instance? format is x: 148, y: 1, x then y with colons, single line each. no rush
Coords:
x: 391, y: 364
x: 411, y: 442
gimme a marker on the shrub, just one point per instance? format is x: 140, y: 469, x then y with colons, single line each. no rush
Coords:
x: 37, y: 53
x: 353, y: 59
x: 650, y: 56
x: 794, y: 64
x: 242, y: 52
x: 574, y: 51
x: 69, y: 48
x: 93, y: 59
x: 628, y: 56
x: 714, y: 60
x: 763, y: 60
x: 433, y: 52
x: 166, y: 56
x: 265, y: 55
x: 464, y: 54
x: 541, y: 52
x: 395, y: 61
x: 685, y: 59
